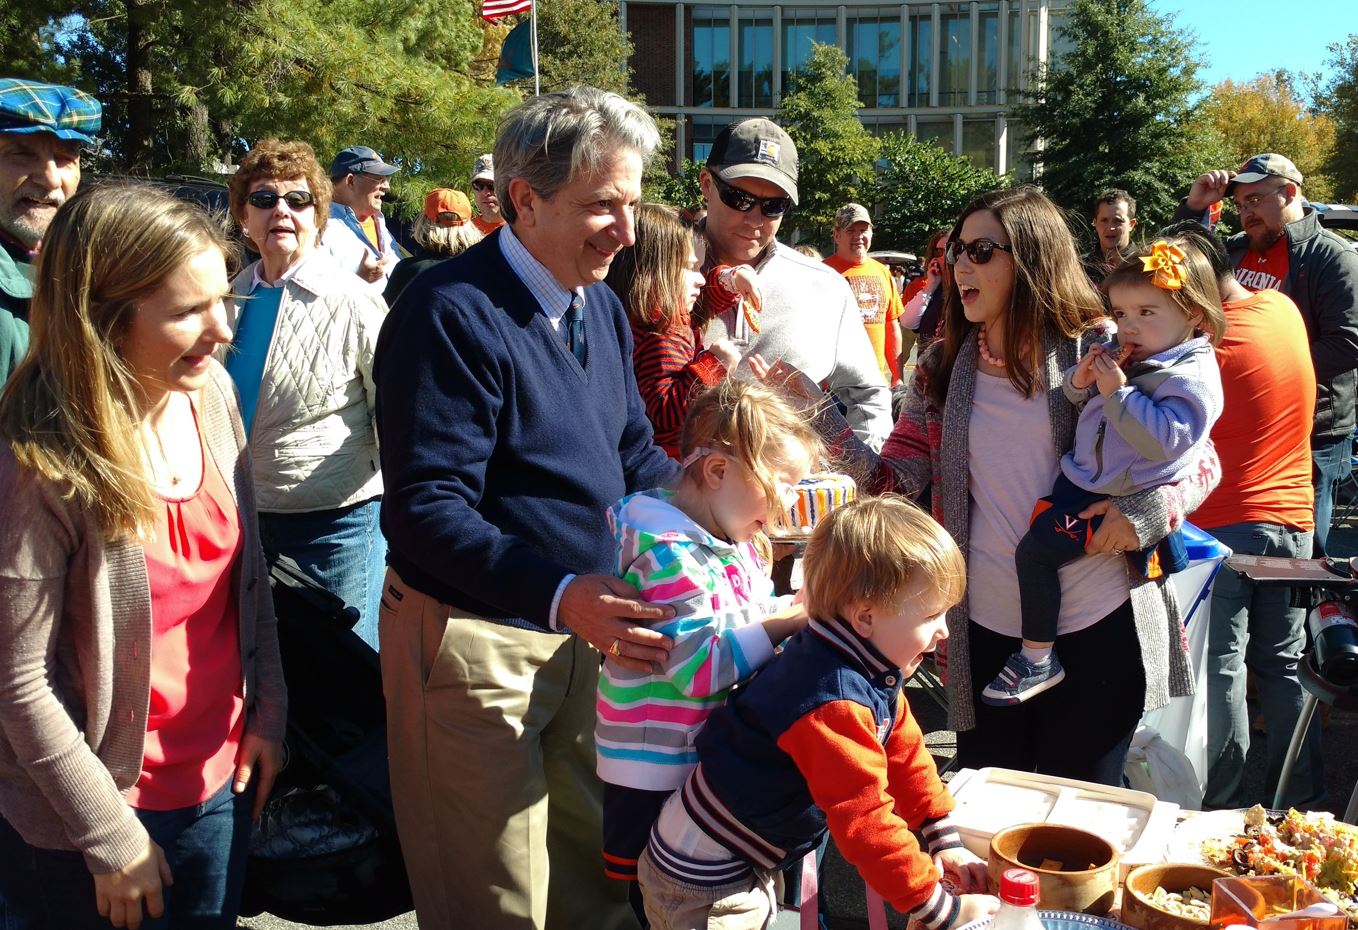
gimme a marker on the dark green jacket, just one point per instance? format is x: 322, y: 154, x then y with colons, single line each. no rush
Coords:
x: 16, y: 288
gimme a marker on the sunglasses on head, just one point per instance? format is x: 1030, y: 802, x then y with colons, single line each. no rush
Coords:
x: 743, y: 201
x: 979, y: 251
x: 267, y: 200
x: 484, y: 187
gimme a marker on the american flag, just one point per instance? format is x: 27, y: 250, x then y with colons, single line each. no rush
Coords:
x: 495, y: 9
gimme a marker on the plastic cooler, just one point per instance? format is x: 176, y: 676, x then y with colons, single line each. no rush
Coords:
x: 1183, y: 721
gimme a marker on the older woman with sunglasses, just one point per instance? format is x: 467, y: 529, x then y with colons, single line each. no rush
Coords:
x: 983, y: 428
x: 301, y: 356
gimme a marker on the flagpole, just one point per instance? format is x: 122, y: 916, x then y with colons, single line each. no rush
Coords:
x: 537, y: 86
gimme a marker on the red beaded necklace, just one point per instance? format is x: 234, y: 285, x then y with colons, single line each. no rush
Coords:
x: 985, y: 349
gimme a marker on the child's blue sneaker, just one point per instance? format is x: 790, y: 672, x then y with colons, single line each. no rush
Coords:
x: 1020, y: 680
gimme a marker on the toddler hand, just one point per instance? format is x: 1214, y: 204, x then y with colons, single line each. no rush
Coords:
x: 1083, y: 376
x: 745, y: 282
x: 726, y: 352
x: 1108, y: 374
x: 974, y: 907
x: 964, y: 869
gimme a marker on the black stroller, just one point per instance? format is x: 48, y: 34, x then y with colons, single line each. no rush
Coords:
x: 325, y: 850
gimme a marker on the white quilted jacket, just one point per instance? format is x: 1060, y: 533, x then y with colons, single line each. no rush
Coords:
x: 314, y: 437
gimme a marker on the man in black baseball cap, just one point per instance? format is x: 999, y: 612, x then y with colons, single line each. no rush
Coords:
x: 357, y: 235
x: 44, y: 128
x: 809, y: 317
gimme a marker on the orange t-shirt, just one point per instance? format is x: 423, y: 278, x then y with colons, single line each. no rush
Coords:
x: 880, y: 307
x: 1264, y: 434
x: 370, y: 230
x: 1264, y: 270
x: 485, y: 226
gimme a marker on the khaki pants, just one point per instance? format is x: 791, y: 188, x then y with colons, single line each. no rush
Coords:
x: 675, y: 905
x: 490, y: 732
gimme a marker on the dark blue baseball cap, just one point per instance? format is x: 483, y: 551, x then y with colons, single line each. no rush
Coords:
x: 359, y: 159
x: 32, y: 106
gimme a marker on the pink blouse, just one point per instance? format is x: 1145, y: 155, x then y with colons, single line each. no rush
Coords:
x: 196, y: 714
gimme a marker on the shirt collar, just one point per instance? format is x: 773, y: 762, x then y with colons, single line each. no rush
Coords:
x: 257, y: 279
x: 551, y: 296
x: 840, y: 635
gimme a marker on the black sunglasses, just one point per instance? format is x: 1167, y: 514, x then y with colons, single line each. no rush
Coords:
x: 483, y: 186
x: 267, y: 200
x: 743, y: 201
x: 978, y: 250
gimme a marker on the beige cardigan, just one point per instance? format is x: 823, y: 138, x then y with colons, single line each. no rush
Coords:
x: 75, y: 631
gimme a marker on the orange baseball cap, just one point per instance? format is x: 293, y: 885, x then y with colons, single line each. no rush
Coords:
x: 447, y: 207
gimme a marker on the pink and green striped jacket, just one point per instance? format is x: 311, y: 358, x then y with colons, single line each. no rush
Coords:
x: 647, y: 721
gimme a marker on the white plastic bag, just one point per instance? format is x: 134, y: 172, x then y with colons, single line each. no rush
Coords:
x: 1154, y: 765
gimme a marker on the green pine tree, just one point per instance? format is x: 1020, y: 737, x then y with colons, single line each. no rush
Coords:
x: 1340, y: 102
x: 1116, y: 111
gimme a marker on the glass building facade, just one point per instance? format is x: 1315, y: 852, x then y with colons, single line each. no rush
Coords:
x: 945, y: 72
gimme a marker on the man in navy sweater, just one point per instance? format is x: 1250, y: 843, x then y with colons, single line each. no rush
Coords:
x: 509, y: 422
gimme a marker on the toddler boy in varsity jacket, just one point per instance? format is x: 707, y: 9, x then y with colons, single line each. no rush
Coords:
x: 822, y: 739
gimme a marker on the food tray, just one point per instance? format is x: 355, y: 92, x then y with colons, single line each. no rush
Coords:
x: 1060, y: 920
x: 1137, y: 824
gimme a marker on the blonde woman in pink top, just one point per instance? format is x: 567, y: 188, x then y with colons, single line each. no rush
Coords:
x: 142, y: 704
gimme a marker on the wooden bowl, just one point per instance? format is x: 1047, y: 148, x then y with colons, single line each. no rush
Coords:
x: 1137, y: 908
x: 1076, y: 870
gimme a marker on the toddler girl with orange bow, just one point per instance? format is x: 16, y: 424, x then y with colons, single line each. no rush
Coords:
x: 1148, y: 403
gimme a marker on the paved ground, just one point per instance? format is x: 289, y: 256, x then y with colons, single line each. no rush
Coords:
x: 844, y: 889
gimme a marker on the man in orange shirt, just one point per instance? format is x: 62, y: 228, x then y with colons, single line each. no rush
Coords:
x: 1263, y: 506
x: 878, y: 300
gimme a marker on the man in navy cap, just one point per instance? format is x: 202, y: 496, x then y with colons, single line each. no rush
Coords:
x: 43, y: 128
x: 357, y: 235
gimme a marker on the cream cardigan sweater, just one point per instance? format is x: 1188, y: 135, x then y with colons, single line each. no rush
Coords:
x: 75, y: 632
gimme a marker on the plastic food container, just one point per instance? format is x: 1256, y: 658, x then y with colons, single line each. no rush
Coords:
x: 988, y: 800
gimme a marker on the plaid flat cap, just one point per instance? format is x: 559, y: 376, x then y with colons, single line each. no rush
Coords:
x: 31, y: 106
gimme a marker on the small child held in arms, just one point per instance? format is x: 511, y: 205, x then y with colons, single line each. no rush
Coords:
x: 1139, y: 427
x: 823, y: 739
x: 745, y: 448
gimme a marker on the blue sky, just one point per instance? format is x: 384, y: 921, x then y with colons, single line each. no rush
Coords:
x: 1242, y: 38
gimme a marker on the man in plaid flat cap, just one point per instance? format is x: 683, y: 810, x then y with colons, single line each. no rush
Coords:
x: 43, y: 128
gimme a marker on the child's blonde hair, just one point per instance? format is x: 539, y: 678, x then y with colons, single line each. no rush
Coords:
x: 753, y: 423
x: 871, y: 550
x: 1197, y: 293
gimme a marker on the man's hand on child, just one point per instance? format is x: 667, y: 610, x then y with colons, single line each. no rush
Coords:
x: 963, y: 869
x: 974, y: 907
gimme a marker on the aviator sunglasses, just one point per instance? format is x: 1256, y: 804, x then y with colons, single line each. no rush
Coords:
x: 743, y: 201
x: 484, y: 187
x: 267, y: 200
x: 979, y: 251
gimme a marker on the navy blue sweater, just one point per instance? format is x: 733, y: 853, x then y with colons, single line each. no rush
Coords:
x: 500, y: 454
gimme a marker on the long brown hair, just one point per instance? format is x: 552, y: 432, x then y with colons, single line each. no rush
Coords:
x: 1052, y: 295
x: 71, y: 409
x: 648, y: 276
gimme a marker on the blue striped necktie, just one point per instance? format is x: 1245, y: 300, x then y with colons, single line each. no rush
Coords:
x: 575, y: 328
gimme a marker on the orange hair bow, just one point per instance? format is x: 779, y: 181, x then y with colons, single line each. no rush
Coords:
x: 1165, y: 265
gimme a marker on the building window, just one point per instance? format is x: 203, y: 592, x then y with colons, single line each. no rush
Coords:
x: 802, y: 27
x: 988, y: 56
x: 954, y: 61
x: 1018, y: 65
x: 711, y: 57
x: 938, y: 132
x: 978, y: 141
x: 921, y: 56
x: 1020, y: 155
x: 705, y: 131
x: 874, y: 38
x: 755, y: 87
x: 1059, y: 44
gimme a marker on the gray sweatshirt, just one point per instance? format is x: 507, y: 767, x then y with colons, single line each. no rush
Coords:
x: 811, y: 320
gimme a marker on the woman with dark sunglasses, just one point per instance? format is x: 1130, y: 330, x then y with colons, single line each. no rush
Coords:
x: 301, y: 356
x: 984, y: 425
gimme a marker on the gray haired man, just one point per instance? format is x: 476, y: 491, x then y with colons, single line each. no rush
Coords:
x: 510, y: 422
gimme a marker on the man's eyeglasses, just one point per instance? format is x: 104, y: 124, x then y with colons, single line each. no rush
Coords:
x: 1253, y: 200
x: 979, y: 251
x: 743, y: 201
x: 484, y: 187
x: 267, y: 200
